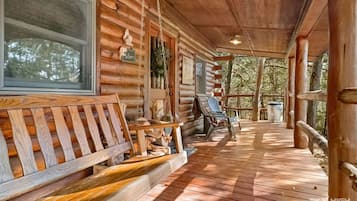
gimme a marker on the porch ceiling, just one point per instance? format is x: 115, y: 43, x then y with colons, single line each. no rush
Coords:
x: 266, y: 26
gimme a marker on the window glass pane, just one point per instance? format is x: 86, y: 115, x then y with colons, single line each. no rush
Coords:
x: 34, y: 59
x: 67, y: 17
x: 200, y: 77
x: 48, y: 44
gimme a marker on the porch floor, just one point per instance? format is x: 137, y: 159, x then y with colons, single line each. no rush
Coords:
x: 261, y: 165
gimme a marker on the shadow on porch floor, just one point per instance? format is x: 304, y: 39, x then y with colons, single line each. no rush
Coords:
x: 261, y: 165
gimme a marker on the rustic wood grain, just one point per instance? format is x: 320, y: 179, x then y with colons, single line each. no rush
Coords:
x: 342, y: 76
x: 178, y: 139
x: 291, y: 90
x: 79, y: 130
x: 5, y: 168
x: 300, y: 139
x: 63, y: 133
x: 40, y: 101
x: 260, y: 165
x: 38, y: 179
x: 317, y: 95
x: 44, y: 137
x: 93, y: 128
x: 22, y: 141
x: 123, y: 182
x: 115, y: 122
x: 104, y: 124
x: 123, y: 123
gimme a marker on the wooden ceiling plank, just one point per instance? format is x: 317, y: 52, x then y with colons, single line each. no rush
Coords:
x: 233, y: 8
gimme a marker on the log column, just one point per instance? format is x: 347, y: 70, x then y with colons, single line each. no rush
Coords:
x: 291, y: 93
x: 342, y: 118
x: 302, y: 44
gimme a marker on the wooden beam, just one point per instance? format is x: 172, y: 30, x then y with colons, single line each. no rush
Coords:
x: 342, y: 74
x: 256, y: 99
x: 300, y: 139
x: 309, y: 16
x: 223, y: 58
x: 348, y: 95
x: 317, y: 95
x: 291, y: 90
x: 238, y: 108
x: 258, y: 53
x: 215, y: 68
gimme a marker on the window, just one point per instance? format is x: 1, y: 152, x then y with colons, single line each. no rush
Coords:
x: 47, y: 45
x: 200, y: 77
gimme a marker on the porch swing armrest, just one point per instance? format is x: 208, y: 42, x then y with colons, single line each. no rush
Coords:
x: 152, y: 126
x: 176, y: 134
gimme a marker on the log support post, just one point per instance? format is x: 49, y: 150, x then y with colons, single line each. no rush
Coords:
x: 291, y: 93
x: 256, y: 101
x: 342, y: 118
x: 302, y: 44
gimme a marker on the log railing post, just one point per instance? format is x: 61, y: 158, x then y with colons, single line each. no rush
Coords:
x: 302, y: 44
x: 291, y: 93
x: 342, y: 73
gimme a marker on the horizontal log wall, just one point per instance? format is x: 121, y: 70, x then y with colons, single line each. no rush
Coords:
x: 126, y: 79
x: 187, y: 92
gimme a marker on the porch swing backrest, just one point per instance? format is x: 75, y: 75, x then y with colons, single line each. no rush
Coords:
x: 46, y: 138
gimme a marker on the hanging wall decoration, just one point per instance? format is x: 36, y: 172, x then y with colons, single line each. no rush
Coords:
x: 127, y: 52
x: 187, y: 70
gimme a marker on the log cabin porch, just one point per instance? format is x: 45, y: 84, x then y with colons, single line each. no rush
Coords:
x: 261, y: 165
x: 134, y: 59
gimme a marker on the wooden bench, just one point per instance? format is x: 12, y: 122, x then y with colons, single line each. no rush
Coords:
x: 45, y: 138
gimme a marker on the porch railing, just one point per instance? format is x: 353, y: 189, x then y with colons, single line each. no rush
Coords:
x: 314, y: 135
x: 263, y: 99
x: 349, y: 96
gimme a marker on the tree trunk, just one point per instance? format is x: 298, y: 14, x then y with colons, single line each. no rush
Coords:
x: 302, y: 45
x: 314, y: 85
x: 256, y: 101
x: 229, y: 80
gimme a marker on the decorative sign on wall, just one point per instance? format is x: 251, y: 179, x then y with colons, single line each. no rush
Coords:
x: 127, y: 52
x: 187, y: 70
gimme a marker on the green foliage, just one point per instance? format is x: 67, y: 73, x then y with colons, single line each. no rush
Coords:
x: 41, y: 60
x: 157, y: 60
x: 321, y: 108
x: 274, y: 82
x: 244, y: 80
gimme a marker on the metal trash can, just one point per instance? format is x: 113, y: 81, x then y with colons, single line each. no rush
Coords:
x: 275, y: 112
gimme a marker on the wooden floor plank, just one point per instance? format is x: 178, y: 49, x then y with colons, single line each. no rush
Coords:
x: 261, y: 165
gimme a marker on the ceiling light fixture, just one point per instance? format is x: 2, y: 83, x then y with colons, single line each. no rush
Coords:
x: 236, y: 40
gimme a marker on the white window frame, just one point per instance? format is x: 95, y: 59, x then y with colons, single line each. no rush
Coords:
x: 91, y: 54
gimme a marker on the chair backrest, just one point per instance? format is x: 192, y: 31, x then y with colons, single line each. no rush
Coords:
x: 202, y: 100
x: 214, y: 105
x: 44, y: 138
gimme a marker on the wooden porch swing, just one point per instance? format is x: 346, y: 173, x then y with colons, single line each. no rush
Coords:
x: 46, y: 139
